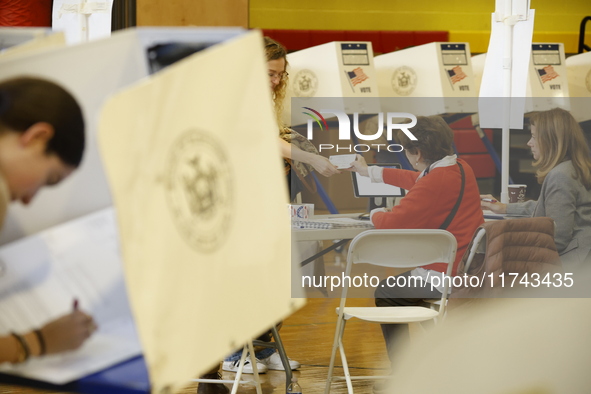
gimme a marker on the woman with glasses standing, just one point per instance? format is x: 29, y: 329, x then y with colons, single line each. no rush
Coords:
x: 296, y: 159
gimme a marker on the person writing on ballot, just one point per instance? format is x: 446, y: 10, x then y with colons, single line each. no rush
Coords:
x: 41, y: 143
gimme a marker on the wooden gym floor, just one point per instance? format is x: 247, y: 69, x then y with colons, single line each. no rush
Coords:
x: 307, y: 336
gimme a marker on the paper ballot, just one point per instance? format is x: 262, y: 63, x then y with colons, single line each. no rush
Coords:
x: 342, y: 161
x: 41, y: 275
x: 197, y: 261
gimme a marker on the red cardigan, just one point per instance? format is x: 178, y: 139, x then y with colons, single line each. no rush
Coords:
x: 430, y: 200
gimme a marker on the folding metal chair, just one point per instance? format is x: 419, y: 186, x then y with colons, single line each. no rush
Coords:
x: 390, y: 248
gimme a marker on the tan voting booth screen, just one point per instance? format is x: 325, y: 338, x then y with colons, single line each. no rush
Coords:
x: 194, y: 167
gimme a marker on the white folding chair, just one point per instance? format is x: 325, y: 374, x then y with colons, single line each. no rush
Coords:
x: 390, y: 248
x: 478, y: 246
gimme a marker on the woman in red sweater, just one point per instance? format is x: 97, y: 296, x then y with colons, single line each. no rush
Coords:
x: 434, y: 189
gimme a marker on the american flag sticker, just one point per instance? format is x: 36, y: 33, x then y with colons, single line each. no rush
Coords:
x: 456, y: 74
x: 356, y: 76
x: 547, y: 73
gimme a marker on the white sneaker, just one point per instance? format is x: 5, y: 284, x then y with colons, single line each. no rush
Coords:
x: 274, y: 362
x: 232, y: 366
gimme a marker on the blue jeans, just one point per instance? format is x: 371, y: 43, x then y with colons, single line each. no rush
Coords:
x: 267, y: 352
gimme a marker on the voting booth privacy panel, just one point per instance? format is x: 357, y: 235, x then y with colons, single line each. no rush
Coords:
x: 548, y: 77
x: 90, y: 71
x: 53, y: 40
x: 579, y: 85
x: 339, y: 69
x: 547, y: 85
x: 15, y: 36
x: 541, y: 83
x: 435, y: 79
x: 198, y: 183
x: 436, y: 70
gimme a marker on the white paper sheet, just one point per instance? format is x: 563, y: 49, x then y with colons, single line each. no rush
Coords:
x: 342, y: 161
x: 41, y: 275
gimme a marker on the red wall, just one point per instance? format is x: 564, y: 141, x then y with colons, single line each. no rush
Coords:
x: 25, y: 13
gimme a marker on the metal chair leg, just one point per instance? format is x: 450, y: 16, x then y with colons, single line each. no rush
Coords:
x: 282, y: 355
x: 255, y: 369
x: 333, y: 354
x: 346, y: 371
x: 239, y: 372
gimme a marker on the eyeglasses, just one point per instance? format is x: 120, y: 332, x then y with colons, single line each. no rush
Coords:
x: 282, y: 76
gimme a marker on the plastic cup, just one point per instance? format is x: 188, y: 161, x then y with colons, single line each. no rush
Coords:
x: 299, y: 211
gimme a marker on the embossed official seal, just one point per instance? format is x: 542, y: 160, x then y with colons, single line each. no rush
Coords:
x: 305, y: 83
x: 588, y: 80
x: 199, y: 190
x: 404, y: 80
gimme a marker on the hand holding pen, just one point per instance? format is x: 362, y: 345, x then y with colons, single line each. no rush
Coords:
x: 491, y: 203
x: 69, y: 331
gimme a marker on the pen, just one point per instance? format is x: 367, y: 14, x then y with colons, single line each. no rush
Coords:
x: 488, y: 200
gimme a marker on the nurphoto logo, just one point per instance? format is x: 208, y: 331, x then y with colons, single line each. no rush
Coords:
x: 393, y: 120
